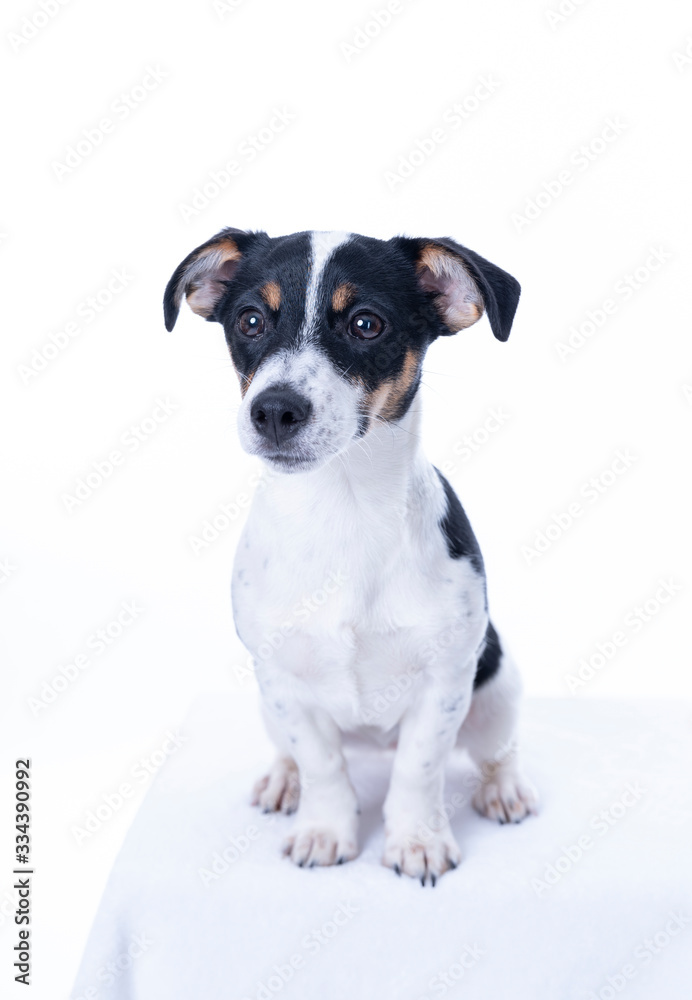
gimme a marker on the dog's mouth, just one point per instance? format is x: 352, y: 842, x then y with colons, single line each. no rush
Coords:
x: 286, y: 461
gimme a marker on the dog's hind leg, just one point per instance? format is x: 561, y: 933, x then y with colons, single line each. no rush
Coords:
x: 489, y: 735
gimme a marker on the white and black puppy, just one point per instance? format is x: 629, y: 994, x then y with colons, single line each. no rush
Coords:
x: 358, y: 584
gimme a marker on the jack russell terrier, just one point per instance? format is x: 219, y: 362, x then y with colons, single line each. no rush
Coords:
x: 327, y: 332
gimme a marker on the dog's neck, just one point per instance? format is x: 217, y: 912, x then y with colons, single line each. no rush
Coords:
x: 378, y: 469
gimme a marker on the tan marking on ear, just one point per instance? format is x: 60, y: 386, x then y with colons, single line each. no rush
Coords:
x: 203, y: 289
x: 462, y: 308
x: 385, y: 401
x: 430, y: 258
x: 271, y: 293
x: 343, y: 296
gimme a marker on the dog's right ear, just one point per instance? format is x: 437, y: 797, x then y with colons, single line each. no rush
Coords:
x: 203, y: 277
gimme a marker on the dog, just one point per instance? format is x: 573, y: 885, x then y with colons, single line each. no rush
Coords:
x: 358, y: 585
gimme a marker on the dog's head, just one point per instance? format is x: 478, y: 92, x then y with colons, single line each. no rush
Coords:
x: 327, y: 331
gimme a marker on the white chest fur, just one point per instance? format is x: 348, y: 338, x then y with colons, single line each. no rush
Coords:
x: 343, y: 579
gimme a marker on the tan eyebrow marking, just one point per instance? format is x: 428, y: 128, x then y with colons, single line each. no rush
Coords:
x: 271, y: 293
x: 343, y: 296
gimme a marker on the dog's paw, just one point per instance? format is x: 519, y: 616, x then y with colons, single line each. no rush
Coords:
x: 278, y: 791
x: 423, y: 858
x: 312, y: 845
x: 506, y: 798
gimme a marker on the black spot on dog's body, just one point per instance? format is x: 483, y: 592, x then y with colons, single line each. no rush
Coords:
x: 489, y: 660
x: 455, y: 525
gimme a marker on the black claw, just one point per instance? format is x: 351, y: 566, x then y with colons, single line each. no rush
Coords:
x: 452, y: 864
x: 433, y: 880
x: 340, y: 860
x: 397, y: 869
x: 422, y: 880
x: 301, y: 864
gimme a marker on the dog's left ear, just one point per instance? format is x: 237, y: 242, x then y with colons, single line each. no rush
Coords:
x: 204, y: 276
x: 465, y: 284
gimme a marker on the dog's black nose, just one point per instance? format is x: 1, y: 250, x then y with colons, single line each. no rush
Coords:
x: 278, y: 413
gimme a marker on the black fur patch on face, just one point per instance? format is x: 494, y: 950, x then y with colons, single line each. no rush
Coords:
x: 283, y: 261
x: 382, y: 281
x: 489, y: 660
x: 461, y: 541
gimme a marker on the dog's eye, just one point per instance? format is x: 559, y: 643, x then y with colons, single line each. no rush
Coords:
x: 365, y: 326
x: 251, y: 322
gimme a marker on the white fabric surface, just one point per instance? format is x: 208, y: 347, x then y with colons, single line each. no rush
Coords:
x: 632, y: 884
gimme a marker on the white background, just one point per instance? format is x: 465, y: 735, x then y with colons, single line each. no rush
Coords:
x: 357, y: 113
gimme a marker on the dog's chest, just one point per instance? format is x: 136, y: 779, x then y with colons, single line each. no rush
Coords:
x: 355, y: 606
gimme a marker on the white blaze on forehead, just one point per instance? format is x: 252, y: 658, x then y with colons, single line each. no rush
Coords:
x: 323, y: 246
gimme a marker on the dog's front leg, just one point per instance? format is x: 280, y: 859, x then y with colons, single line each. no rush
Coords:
x: 418, y: 837
x: 325, y: 830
